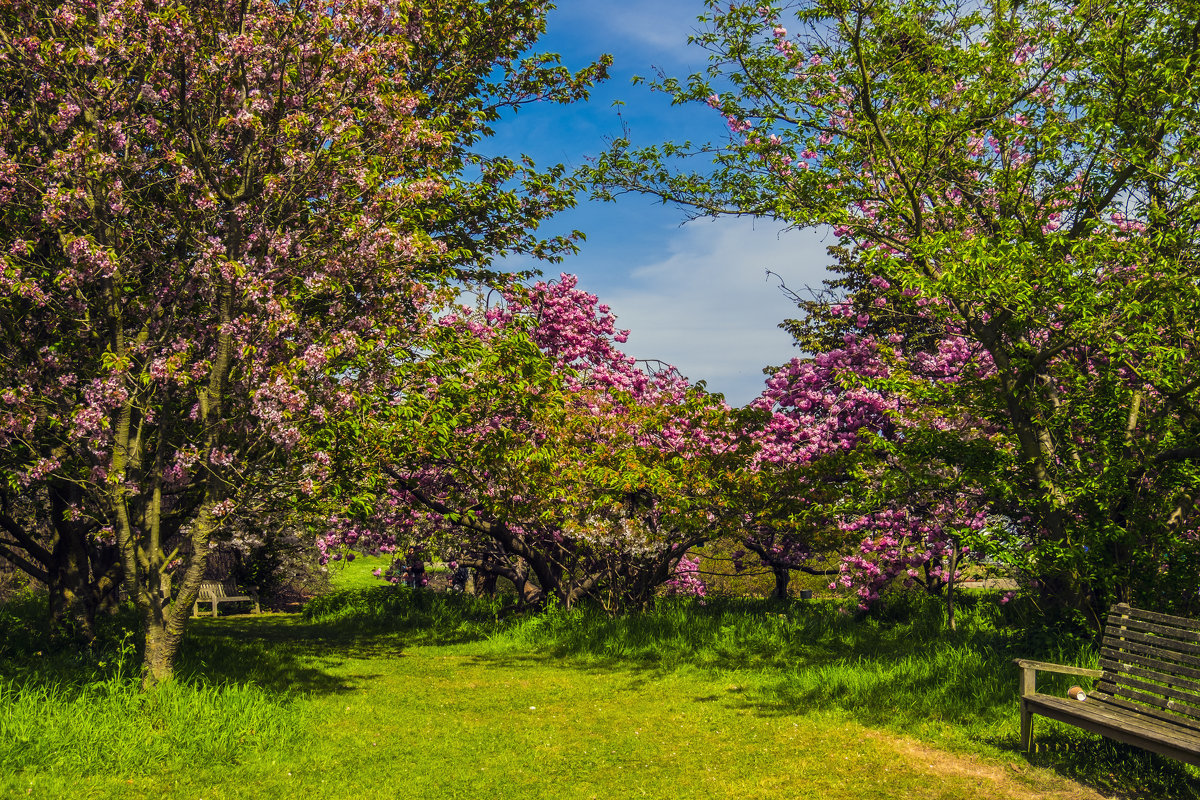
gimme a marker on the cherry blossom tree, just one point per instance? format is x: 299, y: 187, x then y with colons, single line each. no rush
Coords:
x: 861, y: 454
x: 815, y: 418
x: 526, y: 445
x: 215, y: 214
x: 1016, y: 176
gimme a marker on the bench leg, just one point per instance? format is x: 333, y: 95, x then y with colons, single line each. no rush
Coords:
x: 1026, y: 728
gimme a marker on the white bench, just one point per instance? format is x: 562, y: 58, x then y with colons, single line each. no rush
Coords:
x: 226, y: 591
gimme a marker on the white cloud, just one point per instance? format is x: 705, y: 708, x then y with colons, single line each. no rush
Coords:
x: 662, y: 28
x: 709, y: 307
x: 656, y: 30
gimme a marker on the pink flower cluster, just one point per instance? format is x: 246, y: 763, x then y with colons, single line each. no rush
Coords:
x: 685, y: 579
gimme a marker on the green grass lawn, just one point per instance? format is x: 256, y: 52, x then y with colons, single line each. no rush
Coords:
x: 357, y: 574
x: 382, y: 693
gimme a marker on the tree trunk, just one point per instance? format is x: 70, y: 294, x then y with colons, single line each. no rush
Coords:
x: 165, y: 614
x: 72, y: 601
x: 531, y: 595
x: 783, y: 576
x: 950, y: 621
x: 485, y: 584
x: 162, y: 645
x: 77, y: 580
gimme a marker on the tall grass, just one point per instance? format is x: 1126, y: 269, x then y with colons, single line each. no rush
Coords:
x: 79, y: 710
x: 423, y: 616
x: 111, y: 727
x: 902, y: 668
x: 898, y: 667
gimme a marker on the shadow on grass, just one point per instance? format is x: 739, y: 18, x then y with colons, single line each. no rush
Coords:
x: 898, y: 670
x: 886, y: 672
x: 280, y: 653
x: 300, y: 652
x: 1111, y: 767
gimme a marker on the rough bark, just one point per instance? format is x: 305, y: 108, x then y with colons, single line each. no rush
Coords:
x: 783, y: 577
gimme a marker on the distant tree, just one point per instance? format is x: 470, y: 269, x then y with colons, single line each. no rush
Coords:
x: 527, y: 446
x: 859, y: 459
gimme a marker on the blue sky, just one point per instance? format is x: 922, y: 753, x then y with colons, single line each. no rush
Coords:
x: 695, y: 295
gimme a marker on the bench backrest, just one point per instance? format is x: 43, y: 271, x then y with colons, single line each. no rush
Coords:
x: 1151, y: 665
x: 218, y: 589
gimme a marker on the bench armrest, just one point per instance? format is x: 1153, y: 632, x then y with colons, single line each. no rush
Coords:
x: 1030, y: 669
x: 1062, y: 669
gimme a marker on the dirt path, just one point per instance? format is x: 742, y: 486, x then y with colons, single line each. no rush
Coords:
x: 1016, y: 780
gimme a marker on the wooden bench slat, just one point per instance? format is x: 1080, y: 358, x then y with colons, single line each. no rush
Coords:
x: 1164, y: 725
x: 217, y: 592
x: 1117, y: 626
x: 1179, y: 676
x: 1154, y: 616
x: 1165, y: 696
x: 1165, y: 717
x: 1098, y: 706
x: 1150, y: 694
x: 1061, y: 669
x: 1150, y: 641
x: 222, y: 590
x: 1130, y: 645
x: 1116, y: 724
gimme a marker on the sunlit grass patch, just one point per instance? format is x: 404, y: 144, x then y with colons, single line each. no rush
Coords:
x: 112, y: 727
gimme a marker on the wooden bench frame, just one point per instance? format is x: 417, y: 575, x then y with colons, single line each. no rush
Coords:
x: 225, y: 591
x: 1148, y: 692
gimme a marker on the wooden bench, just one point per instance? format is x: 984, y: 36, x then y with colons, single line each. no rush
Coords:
x: 1148, y: 692
x: 217, y: 592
